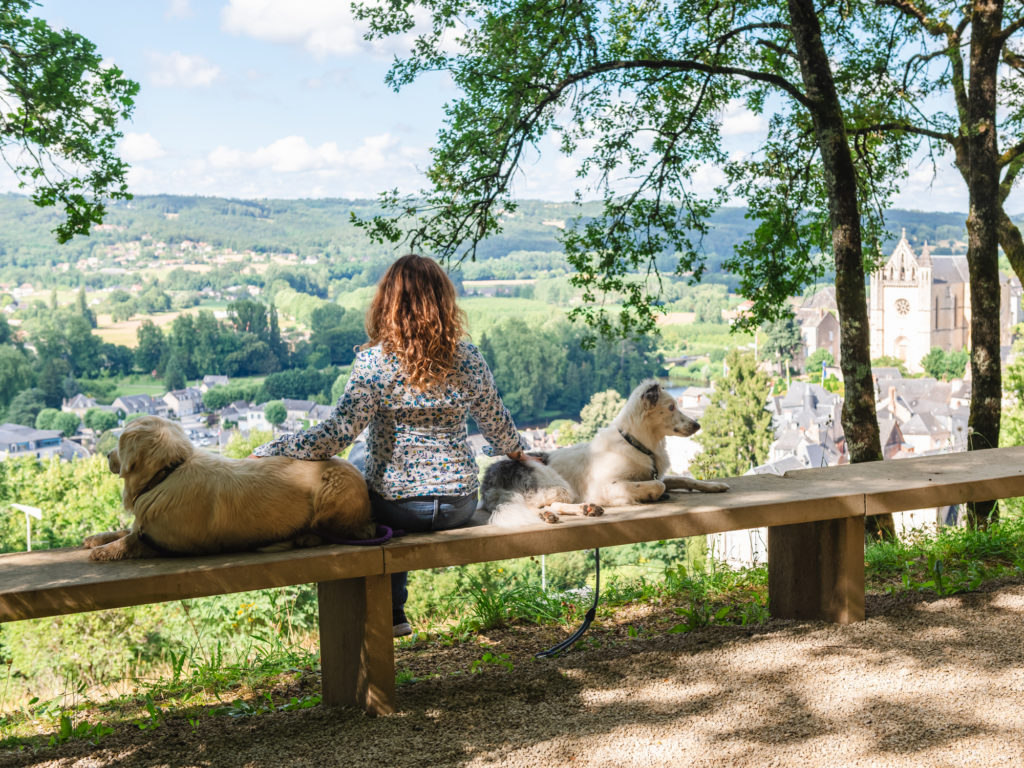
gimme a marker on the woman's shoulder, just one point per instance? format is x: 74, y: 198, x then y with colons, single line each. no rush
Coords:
x: 466, y: 349
x: 468, y: 355
x: 369, y: 353
x: 374, y: 359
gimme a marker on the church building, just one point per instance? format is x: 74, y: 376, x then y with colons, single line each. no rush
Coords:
x: 923, y: 300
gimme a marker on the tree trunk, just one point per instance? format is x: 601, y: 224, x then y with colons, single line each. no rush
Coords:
x: 860, y: 421
x: 983, y: 222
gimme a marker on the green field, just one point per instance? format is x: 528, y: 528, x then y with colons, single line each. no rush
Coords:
x: 484, y: 312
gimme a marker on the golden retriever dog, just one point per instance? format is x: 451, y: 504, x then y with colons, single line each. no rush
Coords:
x: 625, y: 463
x: 192, y: 502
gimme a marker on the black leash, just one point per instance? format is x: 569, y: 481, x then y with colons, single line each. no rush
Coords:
x: 384, y: 534
x: 571, y: 640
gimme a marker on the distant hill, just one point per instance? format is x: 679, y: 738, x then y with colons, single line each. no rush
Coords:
x: 322, y: 229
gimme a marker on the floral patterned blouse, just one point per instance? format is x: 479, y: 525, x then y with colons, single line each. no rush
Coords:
x: 417, y: 441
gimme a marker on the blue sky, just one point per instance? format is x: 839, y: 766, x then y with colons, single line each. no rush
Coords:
x: 283, y: 98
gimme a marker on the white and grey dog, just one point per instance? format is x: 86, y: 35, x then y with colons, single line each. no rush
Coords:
x: 624, y: 464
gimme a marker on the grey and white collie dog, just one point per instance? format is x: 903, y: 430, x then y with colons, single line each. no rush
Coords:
x: 624, y: 464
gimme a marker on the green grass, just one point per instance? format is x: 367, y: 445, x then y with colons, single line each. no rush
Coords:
x: 484, y: 312
x: 140, y: 384
x: 144, y: 384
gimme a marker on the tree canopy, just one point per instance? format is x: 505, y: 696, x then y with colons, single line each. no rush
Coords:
x: 60, y: 105
x: 635, y: 92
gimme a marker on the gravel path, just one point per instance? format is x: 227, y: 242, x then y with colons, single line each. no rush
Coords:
x: 922, y: 682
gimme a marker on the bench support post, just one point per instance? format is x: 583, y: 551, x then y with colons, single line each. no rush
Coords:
x: 816, y: 570
x: 357, y: 652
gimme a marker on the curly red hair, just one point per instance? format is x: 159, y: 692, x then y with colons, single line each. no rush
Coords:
x: 414, y: 316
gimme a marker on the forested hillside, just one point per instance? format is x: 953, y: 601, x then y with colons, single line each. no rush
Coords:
x: 322, y: 231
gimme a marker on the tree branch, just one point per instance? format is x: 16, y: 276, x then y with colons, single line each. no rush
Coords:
x: 779, y: 49
x: 1012, y: 27
x: 909, y: 8
x: 906, y: 128
x: 681, y: 65
x: 1010, y: 177
x: 1013, y: 60
x: 1011, y: 154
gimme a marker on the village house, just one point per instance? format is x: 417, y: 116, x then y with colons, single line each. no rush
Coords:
x: 244, y: 416
x: 17, y: 441
x: 211, y: 381
x: 304, y: 413
x: 817, y: 317
x: 146, y: 404
x: 78, y: 404
x: 184, y: 402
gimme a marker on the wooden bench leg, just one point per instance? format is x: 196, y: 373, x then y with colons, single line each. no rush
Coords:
x: 357, y: 652
x: 816, y: 570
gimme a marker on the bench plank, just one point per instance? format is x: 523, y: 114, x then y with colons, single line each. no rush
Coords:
x: 751, y: 502
x: 930, y: 481
x: 59, y: 581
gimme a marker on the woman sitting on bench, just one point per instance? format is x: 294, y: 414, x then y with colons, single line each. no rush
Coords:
x: 414, y: 383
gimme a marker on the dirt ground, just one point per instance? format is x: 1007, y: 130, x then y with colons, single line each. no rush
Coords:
x: 922, y: 682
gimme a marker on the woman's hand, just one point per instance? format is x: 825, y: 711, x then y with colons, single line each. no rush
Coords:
x: 522, y: 456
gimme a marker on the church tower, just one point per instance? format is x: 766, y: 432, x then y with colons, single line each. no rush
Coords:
x: 919, y: 301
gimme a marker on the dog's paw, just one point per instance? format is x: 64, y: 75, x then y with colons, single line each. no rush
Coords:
x: 549, y: 517
x: 99, y: 539
x: 592, y: 510
x: 714, y: 487
x: 107, y: 553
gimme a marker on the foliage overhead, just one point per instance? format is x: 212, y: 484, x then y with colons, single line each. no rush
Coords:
x: 60, y: 105
x: 637, y: 89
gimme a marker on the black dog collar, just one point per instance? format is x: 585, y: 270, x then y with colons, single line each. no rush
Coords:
x: 161, y: 475
x: 643, y: 449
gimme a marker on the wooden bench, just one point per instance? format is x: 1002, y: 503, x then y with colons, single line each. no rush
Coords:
x: 815, y: 521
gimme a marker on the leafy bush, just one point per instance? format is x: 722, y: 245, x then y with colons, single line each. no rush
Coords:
x: 240, y: 446
x: 62, y: 653
x: 78, y: 498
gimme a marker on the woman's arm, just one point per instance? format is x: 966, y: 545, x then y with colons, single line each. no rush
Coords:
x: 353, y: 411
x: 489, y: 411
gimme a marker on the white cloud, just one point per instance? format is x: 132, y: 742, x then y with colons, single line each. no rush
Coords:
x: 139, y: 147
x: 932, y: 189
x: 178, y: 9
x: 738, y: 120
x: 291, y: 154
x: 179, y: 69
x: 293, y: 167
x: 322, y: 27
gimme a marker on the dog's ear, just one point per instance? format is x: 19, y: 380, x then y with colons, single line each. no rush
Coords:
x: 126, y: 450
x: 651, y: 395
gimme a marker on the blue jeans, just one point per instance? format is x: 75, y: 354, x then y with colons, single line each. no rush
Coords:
x: 417, y: 514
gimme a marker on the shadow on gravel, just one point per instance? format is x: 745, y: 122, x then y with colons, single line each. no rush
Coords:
x: 887, y: 690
